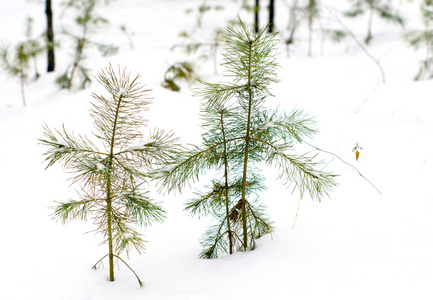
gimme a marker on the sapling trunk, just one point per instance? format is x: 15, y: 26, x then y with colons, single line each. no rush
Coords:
x: 247, y: 146
x: 109, y: 198
x: 369, y: 28
x: 311, y: 7
x: 226, y: 183
x: 110, y: 230
x: 22, y: 83
x: 77, y: 60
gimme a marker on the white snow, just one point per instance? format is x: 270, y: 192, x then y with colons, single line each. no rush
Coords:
x: 121, y: 93
x: 128, y: 235
x: 270, y: 124
x: 100, y: 166
x: 357, y: 244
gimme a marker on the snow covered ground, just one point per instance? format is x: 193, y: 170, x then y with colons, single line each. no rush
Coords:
x: 358, y: 244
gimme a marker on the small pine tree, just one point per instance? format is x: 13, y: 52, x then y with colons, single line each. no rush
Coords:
x: 87, y: 22
x: 112, y: 177
x: 16, y: 60
x: 242, y: 134
x: 418, y: 38
x: 379, y: 7
x: 311, y: 13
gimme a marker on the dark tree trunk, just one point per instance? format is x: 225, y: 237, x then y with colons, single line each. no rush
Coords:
x: 256, y: 15
x: 50, y: 36
x: 271, y: 15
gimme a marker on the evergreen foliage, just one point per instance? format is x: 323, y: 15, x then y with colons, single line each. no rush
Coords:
x: 17, y: 60
x: 178, y: 71
x: 381, y: 8
x: 198, y: 51
x: 312, y: 14
x: 242, y: 134
x: 87, y: 21
x: 419, y: 38
x: 111, y: 175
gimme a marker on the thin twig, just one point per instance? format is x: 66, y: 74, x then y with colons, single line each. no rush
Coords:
x: 382, y: 73
x: 297, y: 210
x: 368, y: 97
x: 356, y: 169
x: 138, y: 278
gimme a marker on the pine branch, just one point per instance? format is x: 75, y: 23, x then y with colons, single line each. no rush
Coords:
x: 72, y: 210
x: 188, y: 166
x: 274, y: 126
x: 141, y: 210
x: 66, y: 147
x: 299, y: 170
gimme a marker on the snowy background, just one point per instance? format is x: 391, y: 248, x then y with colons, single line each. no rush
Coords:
x: 356, y: 244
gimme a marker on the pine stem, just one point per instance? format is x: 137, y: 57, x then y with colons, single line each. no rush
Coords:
x: 370, y: 24
x: 109, y: 200
x: 22, y: 79
x: 296, y: 216
x: 247, y: 144
x: 310, y: 26
x: 110, y: 232
x: 226, y: 183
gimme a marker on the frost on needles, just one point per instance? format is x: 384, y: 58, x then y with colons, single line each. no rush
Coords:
x: 240, y: 135
x: 111, y: 175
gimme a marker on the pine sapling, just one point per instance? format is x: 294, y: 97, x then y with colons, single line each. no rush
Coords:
x: 311, y: 14
x: 381, y: 8
x: 111, y: 176
x: 17, y: 60
x: 241, y: 134
x: 86, y: 23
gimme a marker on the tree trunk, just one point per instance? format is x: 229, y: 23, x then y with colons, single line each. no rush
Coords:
x: 110, y: 232
x: 311, y: 16
x: 226, y: 183
x: 271, y: 15
x: 247, y: 146
x: 22, y: 82
x: 370, y: 24
x: 50, y: 36
x: 109, y: 196
x: 256, y: 15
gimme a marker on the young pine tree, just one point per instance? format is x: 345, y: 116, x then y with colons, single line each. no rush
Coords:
x: 310, y: 13
x: 371, y: 7
x: 417, y: 38
x: 87, y: 22
x: 241, y: 134
x: 17, y: 60
x: 111, y: 175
